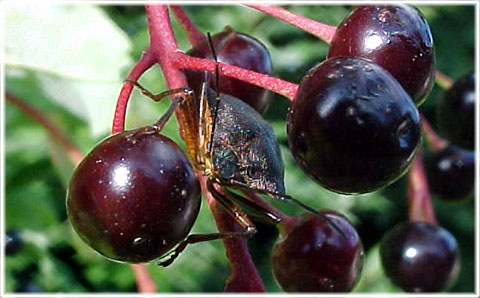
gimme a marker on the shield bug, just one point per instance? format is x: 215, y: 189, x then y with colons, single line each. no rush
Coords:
x: 235, y: 148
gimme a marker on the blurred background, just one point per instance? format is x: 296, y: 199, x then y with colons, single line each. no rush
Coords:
x: 69, y: 61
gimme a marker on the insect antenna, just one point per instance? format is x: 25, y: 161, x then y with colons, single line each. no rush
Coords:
x: 289, y: 199
x: 217, y: 88
x: 319, y: 214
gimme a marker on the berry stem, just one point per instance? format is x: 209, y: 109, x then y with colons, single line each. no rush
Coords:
x: 73, y: 153
x: 420, y: 206
x: 145, y: 62
x: 245, y: 277
x: 320, y: 30
x: 257, y: 199
x: 162, y: 42
x: 194, y: 35
x: 276, y: 85
x: 443, y: 80
x: 144, y: 281
x: 435, y: 142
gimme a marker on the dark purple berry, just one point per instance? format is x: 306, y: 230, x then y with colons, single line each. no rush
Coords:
x: 134, y: 196
x: 396, y: 37
x: 456, y: 113
x: 351, y: 126
x: 451, y: 173
x: 420, y: 257
x: 236, y: 49
x: 311, y: 256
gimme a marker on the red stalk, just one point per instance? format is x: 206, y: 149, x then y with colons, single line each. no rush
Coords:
x: 74, y: 154
x: 257, y: 199
x: 195, y: 36
x: 320, y: 30
x: 443, y: 80
x: 245, y: 277
x: 145, y: 62
x: 420, y: 206
x: 145, y: 283
x: 435, y: 141
x: 276, y: 85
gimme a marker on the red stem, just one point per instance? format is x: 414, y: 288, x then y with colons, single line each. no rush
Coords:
x: 74, y: 154
x: 195, y: 36
x: 245, y: 277
x: 145, y: 62
x: 443, y: 80
x: 435, y: 141
x: 162, y: 42
x: 145, y: 283
x: 320, y: 30
x: 276, y: 85
x: 257, y: 199
x: 420, y: 206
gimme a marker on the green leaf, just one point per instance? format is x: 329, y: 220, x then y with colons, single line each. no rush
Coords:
x: 76, y: 63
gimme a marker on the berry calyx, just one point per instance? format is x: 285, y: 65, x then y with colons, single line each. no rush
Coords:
x: 420, y: 257
x: 352, y: 127
x: 134, y: 196
x: 396, y: 37
x: 311, y: 256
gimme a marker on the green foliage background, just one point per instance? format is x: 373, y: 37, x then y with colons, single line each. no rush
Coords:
x: 72, y: 70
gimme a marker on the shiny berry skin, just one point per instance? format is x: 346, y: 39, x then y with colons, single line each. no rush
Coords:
x: 134, y: 196
x: 351, y: 127
x: 311, y: 256
x: 241, y: 50
x: 420, y: 257
x: 396, y: 37
x: 451, y: 173
x: 456, y: 113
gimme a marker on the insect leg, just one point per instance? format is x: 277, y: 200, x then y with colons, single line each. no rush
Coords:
x: 288, y: 199
x: 205, y: 122
x: 178, y: 100
x: 256, y: 209
x: 231, y: 209
x: 157, y: 97
x: 217, y: 91
x: 188, y: 117
x: 158, y: 126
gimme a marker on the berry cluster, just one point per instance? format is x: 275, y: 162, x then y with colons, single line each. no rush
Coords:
x: 451, y: 168
x: 421, y: 256
x: 353, y: 127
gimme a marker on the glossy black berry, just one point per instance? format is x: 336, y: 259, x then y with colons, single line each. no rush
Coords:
x: 456, y: 113
x: 351, y: 126
x: 420, y: 257
x: 311, y: 256
x: 396, y: 37
x: 13, y: 242
x: 236, y: 49
x: 451, y: 173
x: 134, y: 196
